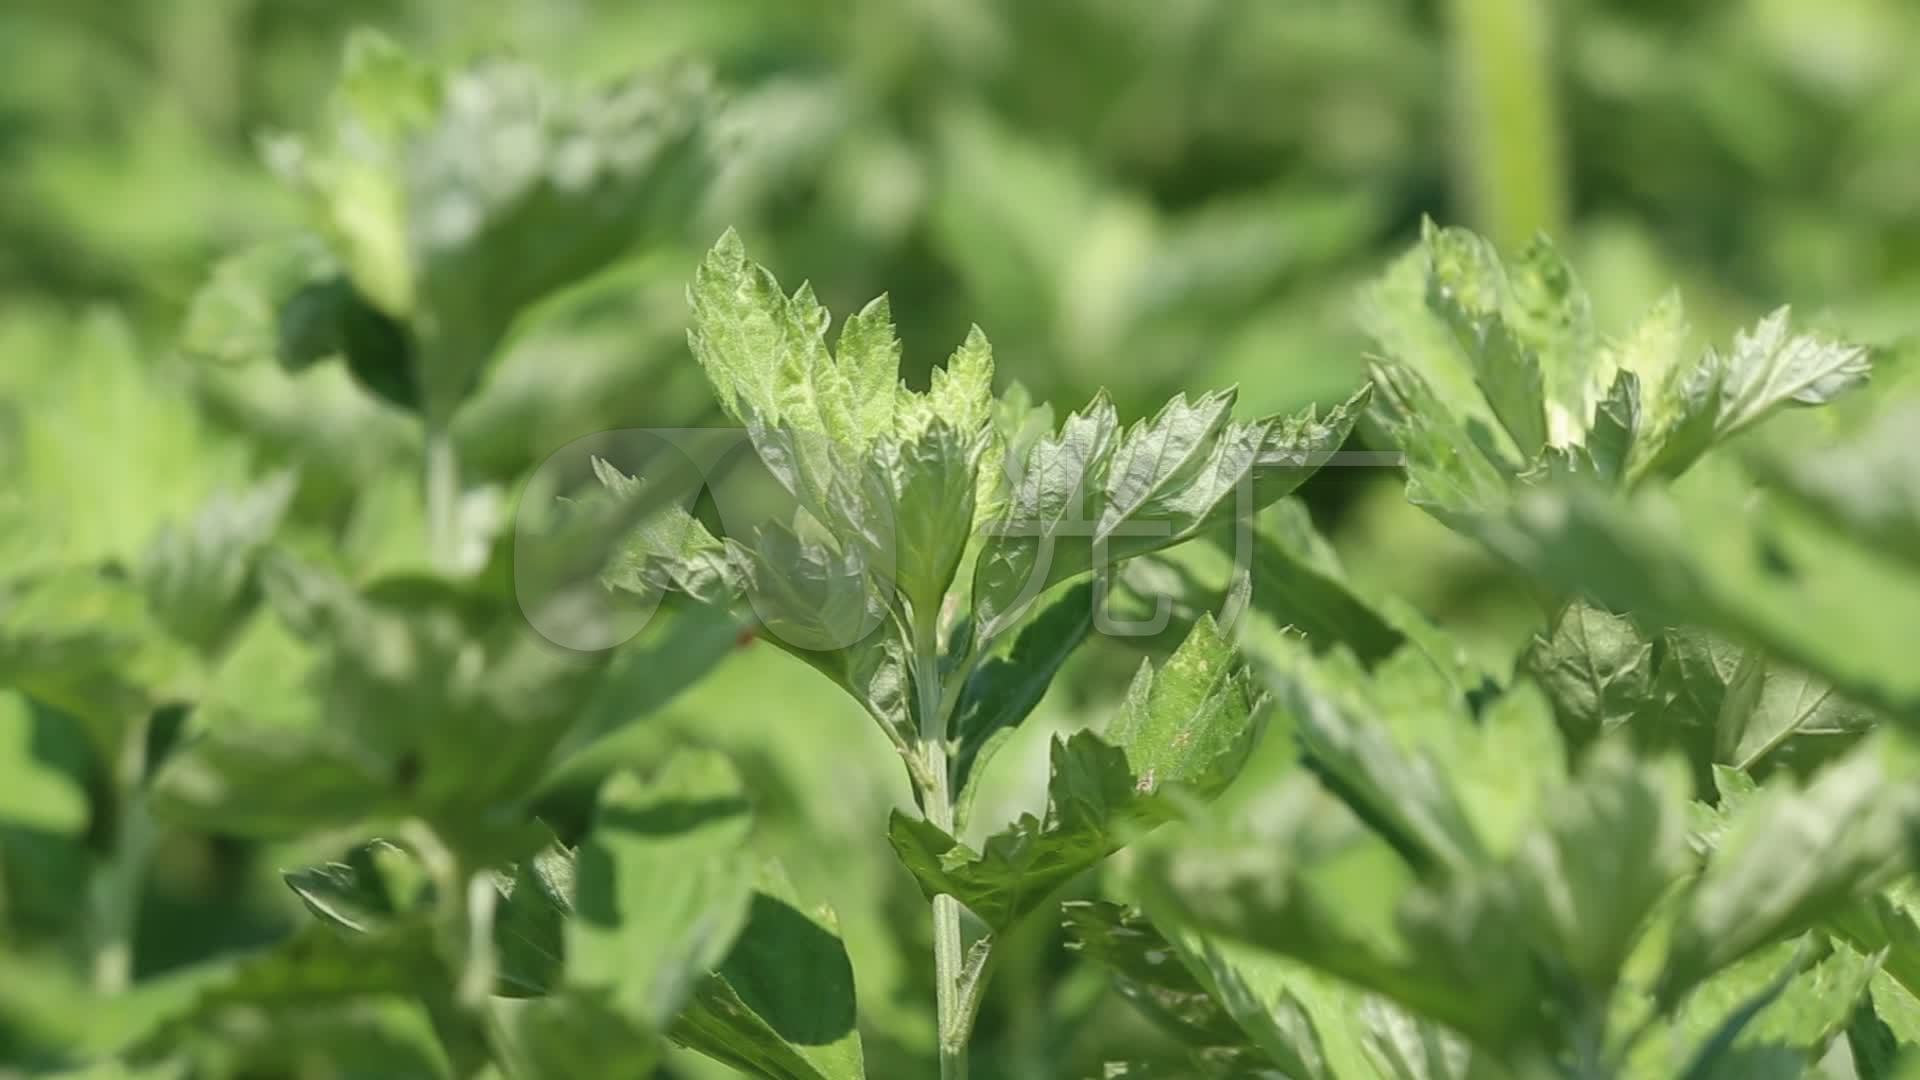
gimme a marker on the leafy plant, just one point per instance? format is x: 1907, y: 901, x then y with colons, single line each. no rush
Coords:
x: 896, y: 490
x: 1515, y: 875
x: 290, y: 627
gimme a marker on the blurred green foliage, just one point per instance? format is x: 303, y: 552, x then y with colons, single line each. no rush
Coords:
x: 1145, y: 196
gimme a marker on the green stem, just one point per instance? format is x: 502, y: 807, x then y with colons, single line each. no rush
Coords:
x: 115, y: 890
x: 952, y: 1009
x: 1509, y: 154
x: 443, y: 497
x: 466, y: 904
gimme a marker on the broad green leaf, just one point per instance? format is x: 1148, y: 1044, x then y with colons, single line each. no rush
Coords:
x: 662, y: 886
x: 529, y: 923
x: 1789, y: 857
x: 870, y: 353
x: 1706, y: 696
x: 782, y: 1003
x: 1189, y: 722
x: 1785, y: 707
x: 1872, y: 1044
x: 449, y: 691
x: 807, y: 595
x: 1450, y: 472
x: 1185, y: 728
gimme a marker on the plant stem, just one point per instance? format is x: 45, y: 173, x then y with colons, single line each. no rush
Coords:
x: 115, y: 890
x: 1509, y: 154
x: 467, y: 905
x: 443, y: 497
x: 949, y: 964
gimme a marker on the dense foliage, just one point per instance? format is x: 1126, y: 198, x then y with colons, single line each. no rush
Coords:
x: 466, y: 631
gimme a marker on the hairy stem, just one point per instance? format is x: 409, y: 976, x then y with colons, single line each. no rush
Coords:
x: 949, y: 964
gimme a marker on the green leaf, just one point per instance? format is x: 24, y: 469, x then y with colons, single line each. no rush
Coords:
x: 1754, y: 569
x: 1872, y: 1044
x: 1238, y: 1008
x: 662, y: 886
x: 1773, y: 1014
x: 1009, y: 683
x: 1298, y: 582
x: 34, y: 793
x: 782, y: 1003
x: 1868, y: 486
x: 1092, y: 800
x: 1788, y: 858
x: 1597, y: 669
x: 1468, y: 289
x: 447, y: 225
x: 1189, y: 723
x: 199, y: 578
x: 268, y: 781
x: 891, y: 484
x: 926, y: 487
x: 1606, y: 854
x: 1729, y: 392
x: 1295, y: 876
x: 529, y: 923
x: 1402, y: 792
x: 377, y: 885
x: 1186, y: 728
x: 85, y: 643
x: 441, y: 688
x: 1090, y: 496
x: 1782, y: 709
x: 870, y: 354
x: 572, y: 1033
x: 1150, y: 974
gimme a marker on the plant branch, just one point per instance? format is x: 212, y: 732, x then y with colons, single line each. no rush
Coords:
x: 951, y: 990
